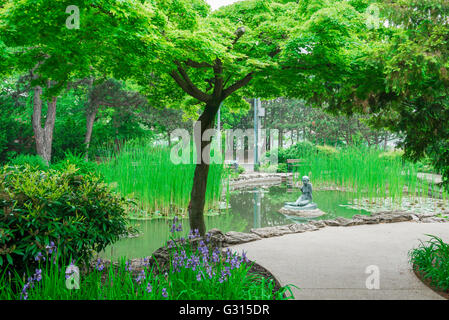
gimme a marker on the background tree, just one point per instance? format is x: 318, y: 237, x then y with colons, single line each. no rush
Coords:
x: 42, y: 46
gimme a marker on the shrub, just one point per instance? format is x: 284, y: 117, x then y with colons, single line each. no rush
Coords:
x: 327, y: 150
x: 76, y: 212
x: 84, y: 167
x: 34, y: 161
x: 282, y: 168
x: 431, y: 259
x: 269, y: 168
x: 391, y: 155
x: 297, y: 151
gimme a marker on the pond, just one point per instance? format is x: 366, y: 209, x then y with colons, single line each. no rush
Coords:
x: 252, y: 208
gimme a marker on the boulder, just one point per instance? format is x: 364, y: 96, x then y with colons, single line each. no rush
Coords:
x: 268, y: 232
x: 302, y: 227
x: 302, y: 213
x: 434, y: 219
x: 317, y: 223
x: 233, y: 237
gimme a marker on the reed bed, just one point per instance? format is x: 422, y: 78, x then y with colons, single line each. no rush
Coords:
x: 160, y: 187
x: 367, y: 173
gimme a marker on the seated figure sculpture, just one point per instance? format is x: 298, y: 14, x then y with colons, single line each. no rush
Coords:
x: 304, y: 202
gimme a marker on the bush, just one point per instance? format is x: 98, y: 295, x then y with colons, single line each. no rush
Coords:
x: 282, y: 168
x: 297, y: 151
x: 84, y: 167
x: 327, y: 150
x: 76, y: 212
x: 431, y: 260
x: 391, y: 155
x: 35, y: 162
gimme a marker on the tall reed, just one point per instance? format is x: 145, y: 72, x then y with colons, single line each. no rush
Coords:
x: 366, y: 172
x: 146, y: 173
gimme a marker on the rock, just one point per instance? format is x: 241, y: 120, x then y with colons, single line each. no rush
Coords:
x: 345, y: 222
x: 339, y: 222
x: 434, y: 219
x: 303, y: 227
x: 357, y: 221
x: 233, y: 237
x: 370, y: 219
x: 268, y: 232
x: 389, y: 218
x: 216, y: 237
x: 317, y: 223
x: 302, y: 213
x: 332, y: 223
x: 308, y: 207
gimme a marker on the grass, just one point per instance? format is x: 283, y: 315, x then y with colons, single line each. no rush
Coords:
x: 160, y: 187
x: 194, y: 273
x: 431, y: 259
x: 366, y: 172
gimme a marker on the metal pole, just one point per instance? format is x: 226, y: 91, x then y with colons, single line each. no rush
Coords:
x: 256, y: 133
x: 219, y: 127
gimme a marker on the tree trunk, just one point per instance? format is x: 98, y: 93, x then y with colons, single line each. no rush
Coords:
x: 281, y: 132
x: 198, y: 194
x: 91, y: 114
x: 43, y: 136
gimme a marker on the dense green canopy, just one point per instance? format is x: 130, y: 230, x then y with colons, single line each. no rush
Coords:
x: 388, y: 58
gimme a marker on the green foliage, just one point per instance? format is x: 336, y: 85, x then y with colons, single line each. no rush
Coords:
x: 282, y: 168
x: 431, y: 260
x: 76, y: 212
x: 15, y: 129
x: 35, y: 162
x: 194, y: 273
x: 147, y: 174
x: 366, y: 172
x: 391, y: 155
x: 297, y: 151
x: 327, y: 150
x: 84, y: 167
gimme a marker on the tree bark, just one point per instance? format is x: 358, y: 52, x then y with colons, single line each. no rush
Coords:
x: 281, y: 132
x: 198, y: 194
x: 43, y: 136
x: 91, y: 114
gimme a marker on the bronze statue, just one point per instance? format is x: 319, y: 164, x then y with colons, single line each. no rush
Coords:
x: 305, y: 200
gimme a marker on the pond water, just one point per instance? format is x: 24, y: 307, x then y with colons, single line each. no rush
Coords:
x: 252, y: 208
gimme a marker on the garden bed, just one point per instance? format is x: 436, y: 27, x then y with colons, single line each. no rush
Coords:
x: 428, y: 282
x: 430, y: 263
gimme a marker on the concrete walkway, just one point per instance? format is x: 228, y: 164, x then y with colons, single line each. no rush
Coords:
x: 330, y: 263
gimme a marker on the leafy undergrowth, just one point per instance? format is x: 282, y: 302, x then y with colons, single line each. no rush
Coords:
x: 431, y: 261
x: 194, y: 272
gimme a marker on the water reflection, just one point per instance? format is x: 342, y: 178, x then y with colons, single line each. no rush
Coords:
x: 254, y: 208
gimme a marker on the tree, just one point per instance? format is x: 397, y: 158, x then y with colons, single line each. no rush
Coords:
x: 110, y: 93
x: 250, y: 48
x: 400, y: 77
x: 416, y: 71
x: 41, y: 42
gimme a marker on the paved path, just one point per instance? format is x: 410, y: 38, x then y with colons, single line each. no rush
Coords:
x: 330, y: 263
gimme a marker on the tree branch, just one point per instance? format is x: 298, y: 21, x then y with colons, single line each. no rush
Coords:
x: 237, y: 85
x: 182, y: 79
x: 195, y: 64
x: 218, y: 84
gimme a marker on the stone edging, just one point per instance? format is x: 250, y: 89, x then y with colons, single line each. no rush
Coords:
x: 256, y: 179
x: 233, y: 238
